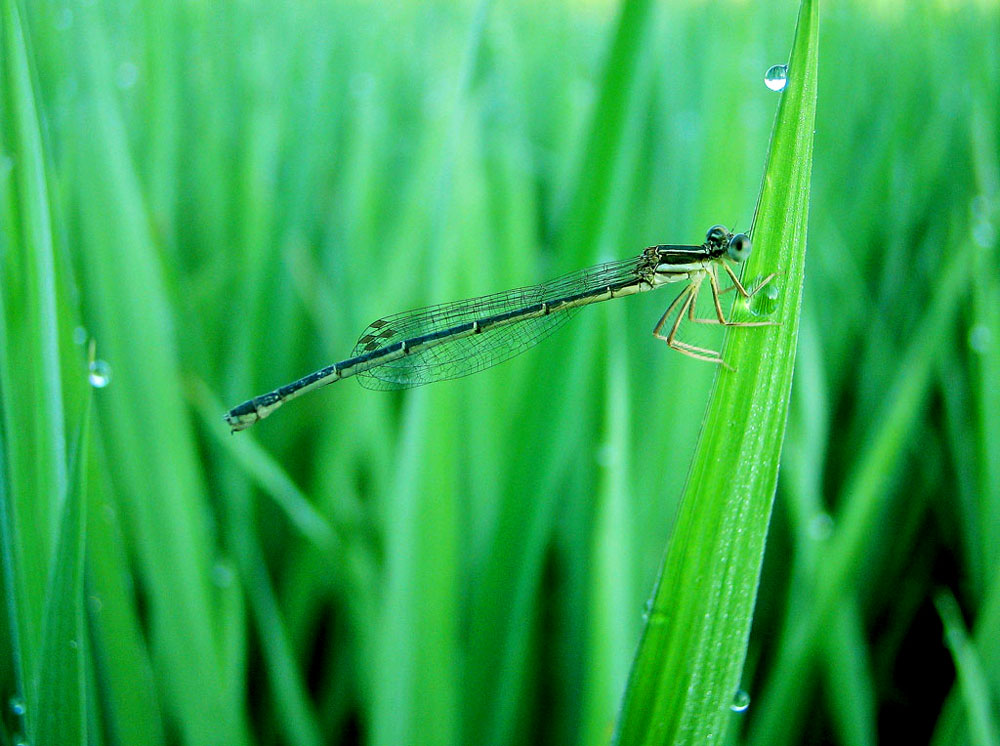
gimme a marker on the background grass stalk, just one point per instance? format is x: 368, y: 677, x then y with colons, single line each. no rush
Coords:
x: 688, y: 666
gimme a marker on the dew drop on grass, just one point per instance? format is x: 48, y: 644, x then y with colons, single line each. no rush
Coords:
x: 764, y: 301
x: 984, y: 234
x: 741, y: 701
x: 100, y: 374
x: 776, y: 77
x: 126, y: 75
x: 17, y: 706
x: 80, y: 336
x: 980, y: 338
x: 821, y: 527
x: 222, y: 574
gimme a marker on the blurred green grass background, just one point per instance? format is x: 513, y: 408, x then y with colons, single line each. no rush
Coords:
x: 223, y: 194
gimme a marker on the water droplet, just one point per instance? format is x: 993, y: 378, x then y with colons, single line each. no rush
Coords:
x: 222, y: 574
x: 17, y: 706
x: 776, y: 77
x: 127, y: 75
x: 100, y: 374
x: 646, y: 609
x: 821, y: 527
x: 741, y: 701
x: 984, y: 234
x: 95, y: 604
x: 979, y: 207
x: 764, y: 301
x: 79, y: 335
x: 73, y: 644
x: 980, y: 338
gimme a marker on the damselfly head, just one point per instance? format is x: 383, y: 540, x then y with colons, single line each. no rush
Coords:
x: 739, y: 247
x: 717, y: 236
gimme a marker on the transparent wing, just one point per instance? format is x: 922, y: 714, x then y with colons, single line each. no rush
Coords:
x: 470, y: 354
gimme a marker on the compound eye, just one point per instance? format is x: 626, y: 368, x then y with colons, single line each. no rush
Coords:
x: 739, y: 247
x: 717, y: 235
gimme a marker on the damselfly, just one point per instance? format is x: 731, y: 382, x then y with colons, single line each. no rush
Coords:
x: 456, y: 339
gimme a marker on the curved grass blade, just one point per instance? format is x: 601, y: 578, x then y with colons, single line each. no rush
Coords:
x: 984, y: 729
x: 63, y: 665
x: 688, y: 666
x: 31, y: 390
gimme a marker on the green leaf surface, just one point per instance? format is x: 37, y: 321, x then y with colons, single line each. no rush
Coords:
x: 129, y: 702
x: 863, y: 499
x: 32, y: 396
x: 984, y: 730
x: 64, y: 662
x: 155, y: 456
x: 688, y: 666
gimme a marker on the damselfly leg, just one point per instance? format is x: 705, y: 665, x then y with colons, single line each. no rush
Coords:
x: 688, y: 299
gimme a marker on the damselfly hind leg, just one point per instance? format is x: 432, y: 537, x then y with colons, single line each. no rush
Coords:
x: 686, y: 300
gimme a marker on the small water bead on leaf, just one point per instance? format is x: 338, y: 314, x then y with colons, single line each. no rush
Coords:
x: 99, y: 374
x: 776, y: 77
x: 17, y: 706
x: 980, y: 208
x: 126, y: 75
x: 980, y: 338
x: 821, y: 527
x: 223, y: 574
x: 741, y: 701
x: 764, y: 301
x: 80, y: 336
x: 984, y: 234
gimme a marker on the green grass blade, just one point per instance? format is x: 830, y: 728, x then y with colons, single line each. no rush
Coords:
x: 506, y: 599
x: 267, y: 473
x: 688, y: 666
x: 418, y: 678
x: 591, y: 197
x: 851, y: 684
x: 612, y: 616
x: 952, y: 726
x: 129, y: 702
x: 60, y: 700
x: 984, y: 730
x: 157, y: 471
x: 32, y: 404
x: 863, y: 500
